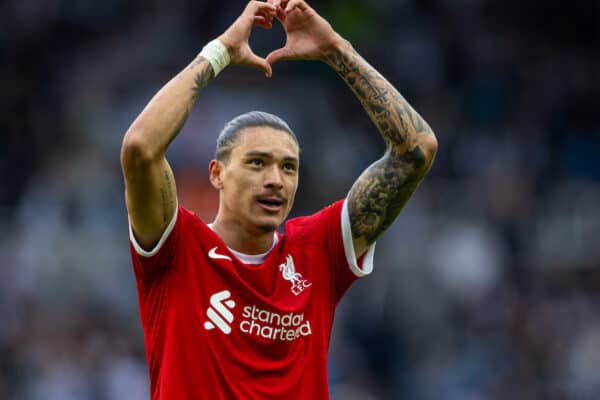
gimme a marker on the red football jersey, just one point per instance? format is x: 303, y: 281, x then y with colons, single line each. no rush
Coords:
x: 216, y: 328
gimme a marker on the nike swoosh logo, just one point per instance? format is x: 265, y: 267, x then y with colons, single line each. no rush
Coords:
x: 216, y: 256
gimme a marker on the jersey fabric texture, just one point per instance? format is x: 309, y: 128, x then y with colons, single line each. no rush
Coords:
x: 216, y: 328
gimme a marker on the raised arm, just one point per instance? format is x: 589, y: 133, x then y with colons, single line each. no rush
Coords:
x: 150, y: 192
x: 381, y: 191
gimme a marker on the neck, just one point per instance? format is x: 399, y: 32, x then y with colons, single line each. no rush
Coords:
x: 240, y: 239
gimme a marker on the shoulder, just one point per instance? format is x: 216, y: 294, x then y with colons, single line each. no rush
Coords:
x: 183, y: 222
x: 190, y: 223
x: 322, y: 220
x: 187, y: 215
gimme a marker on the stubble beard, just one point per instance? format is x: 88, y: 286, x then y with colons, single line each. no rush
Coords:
x: 270, y: 227
x: 267, y: 228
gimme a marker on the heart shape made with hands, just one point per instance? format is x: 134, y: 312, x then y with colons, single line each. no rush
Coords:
x: 308, y: 35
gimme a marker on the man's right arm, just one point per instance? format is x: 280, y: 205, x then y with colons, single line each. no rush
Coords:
x: 150, y: 192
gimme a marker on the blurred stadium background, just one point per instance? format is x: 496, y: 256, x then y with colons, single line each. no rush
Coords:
x: 487, y: 286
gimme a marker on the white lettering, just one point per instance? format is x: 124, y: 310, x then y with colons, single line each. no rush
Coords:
x: 243, y: 324
x: 275, y: 319
x: 282, y: 336
x: 297, y: 319
x: 291, y: 335
x: 270, y: 332
x: 287, y: 319
x: 271, y: 325
x: 263, y: 316
x: 304, y: 329
x: 254, y: 320
x: 266, y: 332
x: 253, y: 325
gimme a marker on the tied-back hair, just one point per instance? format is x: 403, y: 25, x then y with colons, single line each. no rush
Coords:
x: 230, y: 133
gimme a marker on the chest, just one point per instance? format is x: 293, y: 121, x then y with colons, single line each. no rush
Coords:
x: 278, y: 302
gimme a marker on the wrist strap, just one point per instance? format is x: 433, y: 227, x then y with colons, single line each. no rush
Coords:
x: 217, y: 55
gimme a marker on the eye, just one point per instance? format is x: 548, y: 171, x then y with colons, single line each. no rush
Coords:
x: 289, y: 167
x: 256, y: 162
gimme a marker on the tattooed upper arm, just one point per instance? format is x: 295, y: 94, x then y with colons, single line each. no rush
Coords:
x: 379, y: 194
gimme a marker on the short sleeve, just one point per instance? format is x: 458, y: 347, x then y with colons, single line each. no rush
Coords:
x: 364, y: 265
x: 149, y: 264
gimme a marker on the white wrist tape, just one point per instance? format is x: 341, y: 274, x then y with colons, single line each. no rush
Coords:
x: 217, y: 55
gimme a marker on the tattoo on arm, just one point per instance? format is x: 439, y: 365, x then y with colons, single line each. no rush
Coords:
x: 379, y: 194
x: 166, y: 193
x: 389, y: 111
x: 381, y: 191
x: 203, y: 77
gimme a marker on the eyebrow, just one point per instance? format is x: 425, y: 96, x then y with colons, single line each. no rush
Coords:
x: 264, y: 154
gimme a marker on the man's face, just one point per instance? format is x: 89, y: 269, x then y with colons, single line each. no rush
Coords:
x: 259, y: 182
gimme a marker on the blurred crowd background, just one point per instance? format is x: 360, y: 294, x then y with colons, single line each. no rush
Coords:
x: 486, y: 287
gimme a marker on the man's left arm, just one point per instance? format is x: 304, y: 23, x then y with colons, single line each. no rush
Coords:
x: 383, y: 189
x: 379, y: 194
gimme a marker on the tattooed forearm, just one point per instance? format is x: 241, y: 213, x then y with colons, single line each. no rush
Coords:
x: 389, y: 111
x: 382, y: 190
x: 204, y: 73
x: 203, y: 77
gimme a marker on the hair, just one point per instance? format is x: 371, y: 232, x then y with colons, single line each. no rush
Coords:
x: 231, y: 131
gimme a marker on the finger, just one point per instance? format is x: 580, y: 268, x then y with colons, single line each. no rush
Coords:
x: 257, y: 62
x: 280, y: 5
x: 263, y: 22
x: 268, y: 16
x: 292, y: 4
x: 279, y: 55
x: 261, y: 7
x: 281, y: 14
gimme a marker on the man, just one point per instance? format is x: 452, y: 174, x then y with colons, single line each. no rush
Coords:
x: 234, y: 309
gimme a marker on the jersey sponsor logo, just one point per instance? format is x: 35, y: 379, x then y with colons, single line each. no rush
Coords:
x: 212, y: 253
x: 218, y: 313
x: 288, y: 272
x: 271, y: 325
x: 255, y: 321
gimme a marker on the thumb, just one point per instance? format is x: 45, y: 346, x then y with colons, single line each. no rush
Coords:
x: 258, y: 62
x: 280, y: 54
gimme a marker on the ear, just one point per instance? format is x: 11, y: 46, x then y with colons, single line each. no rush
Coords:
x: 215, y: 169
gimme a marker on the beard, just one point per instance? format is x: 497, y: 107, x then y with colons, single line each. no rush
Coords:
x: 267, y: 227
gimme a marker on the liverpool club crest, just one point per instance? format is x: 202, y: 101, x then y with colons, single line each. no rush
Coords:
x: 288, y: 272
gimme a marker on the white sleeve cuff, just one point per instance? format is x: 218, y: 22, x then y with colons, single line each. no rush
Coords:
x: 367, y: 264
x: 163, y: 238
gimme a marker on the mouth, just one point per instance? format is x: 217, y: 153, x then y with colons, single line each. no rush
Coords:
x: 271, y: 204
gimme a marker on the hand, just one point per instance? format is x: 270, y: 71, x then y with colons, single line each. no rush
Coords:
x: 309, y: 36
x: 235, y: 38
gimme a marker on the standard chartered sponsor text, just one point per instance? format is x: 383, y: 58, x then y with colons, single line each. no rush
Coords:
x: 274, y: 326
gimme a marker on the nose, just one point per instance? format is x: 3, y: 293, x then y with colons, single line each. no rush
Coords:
x: 273, y: 177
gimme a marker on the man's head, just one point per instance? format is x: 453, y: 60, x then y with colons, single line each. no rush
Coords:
x: 256, y: 171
